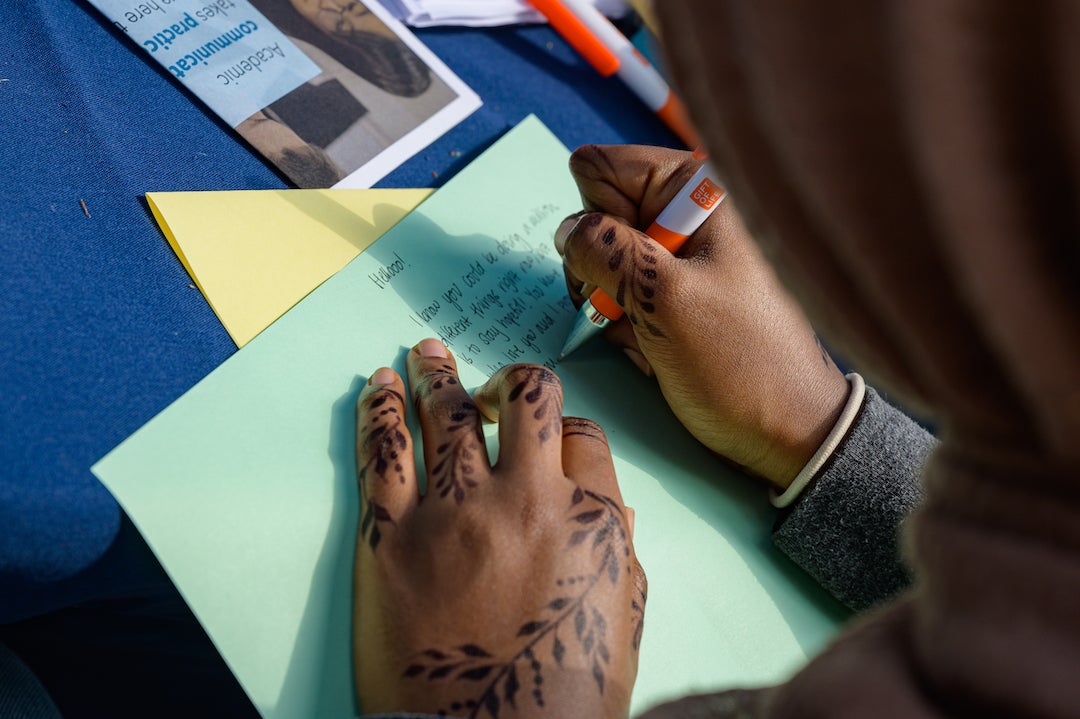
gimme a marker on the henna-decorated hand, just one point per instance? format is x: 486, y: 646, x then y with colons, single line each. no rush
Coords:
x: 735, y: 357
x: 506, y: 590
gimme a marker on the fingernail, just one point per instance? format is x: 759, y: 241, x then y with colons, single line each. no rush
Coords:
x: 565, y: 228
x: 631, y: 520
x: 432, y: 348
x: 382, y: 376
x: 639, y: 361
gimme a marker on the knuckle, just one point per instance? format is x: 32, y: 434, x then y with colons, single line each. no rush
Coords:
x: 581, y: 425
x: 386, y: 438
x: 436, y: 379
x: 467, y: 527
x: 453, y: 410
x: 532, y: 379
x: 382, y: 402
x: 525, y: 370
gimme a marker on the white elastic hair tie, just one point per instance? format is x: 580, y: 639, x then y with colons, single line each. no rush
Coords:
x: 839, y: 430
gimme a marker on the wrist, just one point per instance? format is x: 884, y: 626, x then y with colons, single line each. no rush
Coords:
x: 821, y: 457
x: 800, y: 432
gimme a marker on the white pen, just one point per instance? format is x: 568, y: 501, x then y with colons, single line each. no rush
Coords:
x: 610, y: 53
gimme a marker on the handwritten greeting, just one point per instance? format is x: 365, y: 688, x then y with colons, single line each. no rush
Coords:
x: 505, y: 302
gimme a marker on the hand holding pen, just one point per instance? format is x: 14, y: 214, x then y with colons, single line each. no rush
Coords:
x: 686, y: 211
x: 734, y: 356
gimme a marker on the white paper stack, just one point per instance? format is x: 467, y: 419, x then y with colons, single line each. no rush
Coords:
x: 481, y: 13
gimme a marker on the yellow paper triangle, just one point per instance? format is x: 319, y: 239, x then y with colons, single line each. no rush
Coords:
x: 256, y: 253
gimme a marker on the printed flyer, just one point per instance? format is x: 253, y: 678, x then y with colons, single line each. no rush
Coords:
x: 336, y: 93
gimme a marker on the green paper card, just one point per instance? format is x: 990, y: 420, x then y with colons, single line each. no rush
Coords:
x: 245, y: 487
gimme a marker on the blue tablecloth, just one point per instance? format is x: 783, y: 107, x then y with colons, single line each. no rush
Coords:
x: 101, y: 328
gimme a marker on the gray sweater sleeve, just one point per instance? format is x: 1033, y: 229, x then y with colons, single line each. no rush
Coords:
x: 844, y: 529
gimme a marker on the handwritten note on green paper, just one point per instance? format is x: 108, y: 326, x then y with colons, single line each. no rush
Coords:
x: 245, y: 486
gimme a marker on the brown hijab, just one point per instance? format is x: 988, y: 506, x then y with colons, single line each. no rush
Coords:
x: 912, y: 169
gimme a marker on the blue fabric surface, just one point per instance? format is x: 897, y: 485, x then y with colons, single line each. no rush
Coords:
x: 101, y: 327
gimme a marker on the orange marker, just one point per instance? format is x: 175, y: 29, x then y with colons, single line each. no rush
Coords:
x: 608, y: 50
x: 683, y: 215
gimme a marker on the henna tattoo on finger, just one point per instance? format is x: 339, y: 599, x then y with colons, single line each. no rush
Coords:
x: 637, y: 286
x: 384, y: 442
x: 540, y: 387
x: 610, y: 534
x: 637, y: 609
x: 459, y: 457
x: 569, y: 622
x: 434, y: 381
x: 374, y: 513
